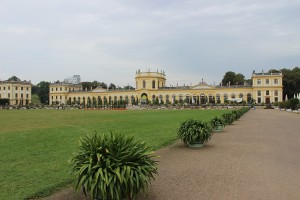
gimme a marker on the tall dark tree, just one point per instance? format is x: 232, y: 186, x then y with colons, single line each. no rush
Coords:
x: 231, y: 78
x: 103, y: 85
x: 112, y: 86
x: 239, y: 79
x: 86, y: 85
x: 34, y: 89
x: 291, y: 81
x: 14, y: 78
x: 129, y: 87
x: 228, y: 78
x: 43, y: 91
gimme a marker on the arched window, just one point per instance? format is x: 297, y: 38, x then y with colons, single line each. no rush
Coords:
x: 202, y: 98
x: 153, y: 84
x: 153, y: 97
x: 180, y: 98
x: 249, y: 97
x: 160, y: 98
x: 194, y: 99
x: 233, y: 96
x: 218, y: 97
x: 187, y: 98
x: 211, y: 98
x: 225, y: 97
x: 126, y: 99
x: 173, y: 98
x: 167, y: 98
x: 241, y: 95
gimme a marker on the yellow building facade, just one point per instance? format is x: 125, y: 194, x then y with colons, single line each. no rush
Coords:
x: 151, y: 87
x: 16, y: 92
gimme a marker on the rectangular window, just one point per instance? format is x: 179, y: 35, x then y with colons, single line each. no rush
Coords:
x: 258, y: 100
x: 16, y: 95
x: 66, y: 89
x: 276, y: 93
x: 51, y: 89
x: 8, y: 95
x: 259, y: 93
x: 258, y: 81
x: 276, y: 99
x: 275, y: 81
x: 0, y: 88
x: 3, y: 88
x: 60, y: 97
x: 51, y: 97
x: 21, y: 95
x: 55, y: 89
x: 21, y: 88
x: 27, y: 96
x: 55, y: 97
x: 267, y: 92
x: 60, y: 89
x: 27, y: 88
x: 16, y: 88
x: 16, y: 102
x: 8, y: 87
x: 267, y: 81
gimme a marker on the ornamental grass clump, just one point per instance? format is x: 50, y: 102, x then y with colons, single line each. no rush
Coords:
x: 228, y: 118
x: 217, y: 121
x: 112, y: 167
x: 194, y: 131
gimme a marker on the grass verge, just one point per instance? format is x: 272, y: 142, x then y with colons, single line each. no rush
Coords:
x: 35, y: 145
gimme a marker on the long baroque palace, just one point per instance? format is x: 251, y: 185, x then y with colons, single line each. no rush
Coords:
x: 151, y: 87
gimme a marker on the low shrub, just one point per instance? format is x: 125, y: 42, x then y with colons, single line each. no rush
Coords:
x: 228, y: 118
x: 112, y: 166
x: 194, y: 131
x: 216, y: 121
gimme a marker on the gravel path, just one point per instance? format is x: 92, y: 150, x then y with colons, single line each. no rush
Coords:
x: 258, y: 157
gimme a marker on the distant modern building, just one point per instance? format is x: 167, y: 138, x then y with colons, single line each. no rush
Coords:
x: 74, y: 80
x: 151, y: 87
x: 16, y: 92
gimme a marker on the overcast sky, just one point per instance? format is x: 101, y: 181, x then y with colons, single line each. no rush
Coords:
x: 107, y: 41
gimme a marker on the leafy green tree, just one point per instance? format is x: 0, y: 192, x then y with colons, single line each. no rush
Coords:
x: 294, y: 103
x: 233, y: 79
x: 239, y: 79
x: 112, y: 86
x: 43, y: 91
x: 228, y: 78
x: 86, y: 85
x: 291, y: 81
x: 34, y: 89
x: 14, y: 78
x: 129, y: 87
x: 103, y: 85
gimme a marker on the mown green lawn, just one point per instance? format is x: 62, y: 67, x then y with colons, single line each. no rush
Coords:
x: 35, y: 145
